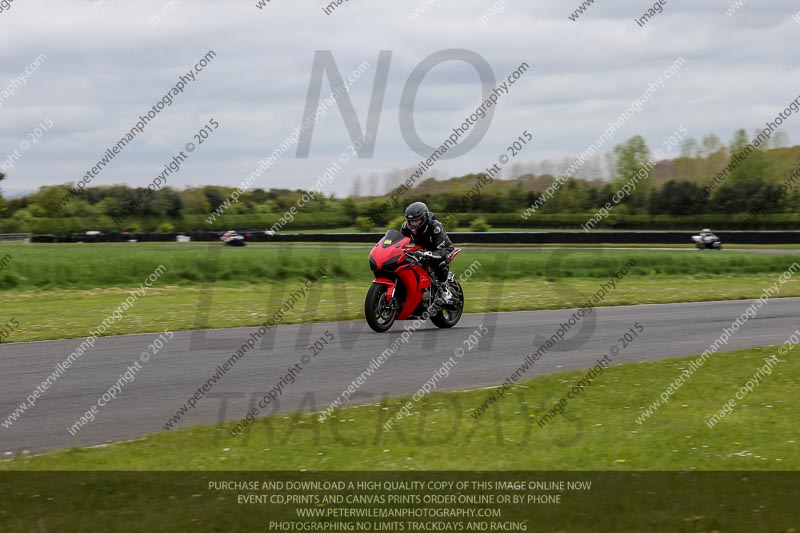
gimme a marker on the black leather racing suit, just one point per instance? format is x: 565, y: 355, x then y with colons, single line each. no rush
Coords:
x: 434, y: 239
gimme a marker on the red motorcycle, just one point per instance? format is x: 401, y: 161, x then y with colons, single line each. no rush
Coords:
x: 404, y: 289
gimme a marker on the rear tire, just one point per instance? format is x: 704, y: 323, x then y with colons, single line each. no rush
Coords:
x: 449, y: 316
x: 380, y: 314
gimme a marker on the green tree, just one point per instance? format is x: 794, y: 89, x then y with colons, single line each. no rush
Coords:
x: 162, y: 202
x: 36, y: 211
x: 214, y: 196
x: 51, y: 198
x: 21, y: 221
x: 630, y: 162
x: 780, y: 139
x: 109, y: 207
x: 195, y: 202
x: 746, y: 189
x: 349, y: 208
x: 78, y: 207
x: 257, y: 196
x: 745, y: 195
x: 690, y: 148
x: 514, y: 199
x: 396, y: 223
x: 363, y: 224
x: 711, y: 144
x: 739, y: 141
x: 675, y: 198
x: 376, y: 211
x: 627, y: 159
x: 566, y: 199
x: 758, y: 165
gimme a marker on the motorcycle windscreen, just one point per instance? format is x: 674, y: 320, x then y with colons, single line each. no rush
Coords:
x: 392, y: 236
x: 387, y: 253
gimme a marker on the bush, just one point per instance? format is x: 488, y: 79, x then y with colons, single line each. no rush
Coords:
x: 479, y: 224
x: 396, y: 223
x: 363, y: 224
x: 165, y: 227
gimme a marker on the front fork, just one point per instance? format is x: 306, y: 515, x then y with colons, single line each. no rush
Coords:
x: 390, y: 287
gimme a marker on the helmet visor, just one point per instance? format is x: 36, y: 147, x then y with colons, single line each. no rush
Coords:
x: 415, y: 222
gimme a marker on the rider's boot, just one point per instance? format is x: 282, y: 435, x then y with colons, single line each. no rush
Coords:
x: 445, y: 294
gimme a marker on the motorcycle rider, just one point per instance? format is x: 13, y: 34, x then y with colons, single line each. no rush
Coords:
x: 706, y: 235
x: 231, y: 238
x: 426, y: 231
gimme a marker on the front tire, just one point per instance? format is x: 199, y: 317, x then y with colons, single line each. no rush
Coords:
x: 449, y: 316
x: 380, y: 314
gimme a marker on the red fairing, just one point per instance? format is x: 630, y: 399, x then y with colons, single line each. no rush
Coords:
x: 452, y: 255
x: 387, y: 257
x: 389, y: 286
x: 384, y: 252
x: 415, y: 279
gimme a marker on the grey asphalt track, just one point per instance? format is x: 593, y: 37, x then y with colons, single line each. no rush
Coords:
x: 190, y: 358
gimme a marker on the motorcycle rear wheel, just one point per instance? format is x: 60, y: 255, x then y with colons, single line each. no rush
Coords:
x: 380, y: 314
x: 449, y: 316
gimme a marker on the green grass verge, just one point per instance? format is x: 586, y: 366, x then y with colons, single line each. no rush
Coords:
x: 597, y: 432
x: 44, y: 315
x: 64, y: 291
x: 90, y: 266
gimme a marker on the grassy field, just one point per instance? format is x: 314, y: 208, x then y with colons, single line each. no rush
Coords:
x: 64, y: 291
x: 598, y: 430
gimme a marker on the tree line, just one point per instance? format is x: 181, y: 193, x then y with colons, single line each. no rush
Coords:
x: 763, y: 184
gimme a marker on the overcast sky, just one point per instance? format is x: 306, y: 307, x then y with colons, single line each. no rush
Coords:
x: 104, y: 69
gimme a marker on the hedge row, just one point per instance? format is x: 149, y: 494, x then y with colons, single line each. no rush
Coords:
x: 309, y: 220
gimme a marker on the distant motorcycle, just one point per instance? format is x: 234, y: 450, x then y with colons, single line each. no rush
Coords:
x: 707, y: 241
x: 403, y: 288
x: 231, y: 238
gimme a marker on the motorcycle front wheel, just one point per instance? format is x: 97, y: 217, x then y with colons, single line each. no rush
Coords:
x: 380, y: 313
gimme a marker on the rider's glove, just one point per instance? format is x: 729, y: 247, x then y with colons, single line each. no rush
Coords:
x: 420, y: 255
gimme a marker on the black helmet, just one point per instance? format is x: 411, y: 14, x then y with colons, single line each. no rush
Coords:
x: 417, y: 216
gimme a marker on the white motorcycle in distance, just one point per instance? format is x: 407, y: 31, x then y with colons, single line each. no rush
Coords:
x: 707, y: 241
x: 231, y: 238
